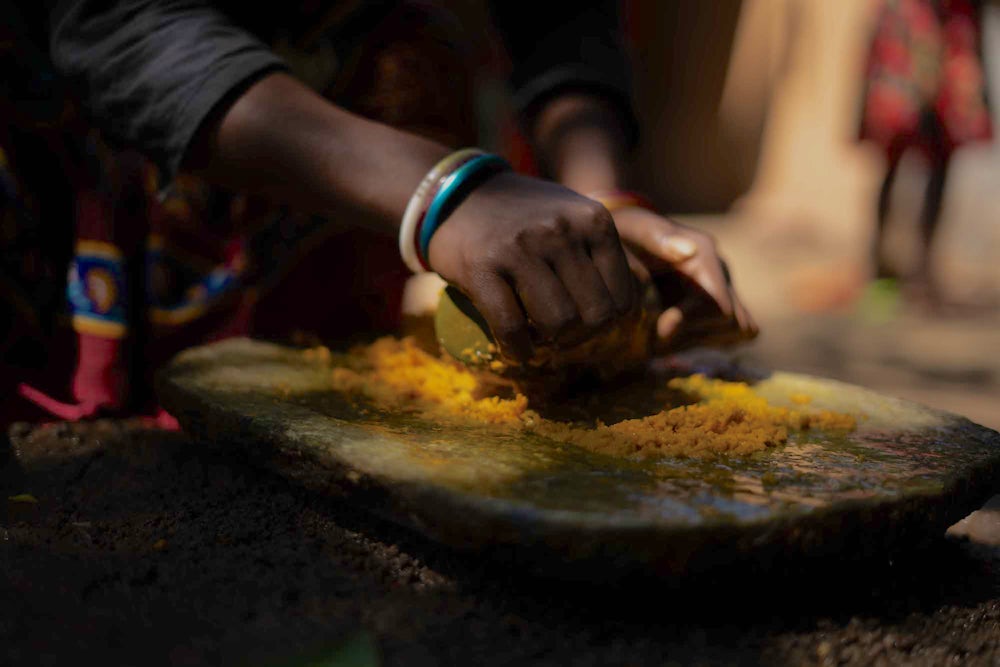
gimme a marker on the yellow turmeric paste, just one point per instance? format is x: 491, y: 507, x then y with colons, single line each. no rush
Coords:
x: 729, y: 417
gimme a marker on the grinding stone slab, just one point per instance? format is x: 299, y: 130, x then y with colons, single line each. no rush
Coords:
x: 905, y: 474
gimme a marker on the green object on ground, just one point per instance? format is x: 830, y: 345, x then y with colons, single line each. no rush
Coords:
x: 905, y: 474
x: 360, y: 650
x: 881, y: 301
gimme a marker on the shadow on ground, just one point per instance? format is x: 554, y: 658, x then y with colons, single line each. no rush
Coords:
x: 146, y: 548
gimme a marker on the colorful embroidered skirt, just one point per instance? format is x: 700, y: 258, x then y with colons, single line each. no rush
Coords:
x: 156, y: 267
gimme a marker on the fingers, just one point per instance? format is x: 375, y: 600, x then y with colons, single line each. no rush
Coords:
x: 689, y: 252
x: 687, y: 324
x: 608, y: 257
x: 663, y: 241
x: 655, y: 236
x: 495, y: 299
x: 748, y: 326
x: 544, y: 264
x: 677, y: 249
x: 546, y: 300
x: 564, y: 300
x: 586, y: 286
x: 639, y: 270
x: 693, y: 281
x: 708, y: 272
x: 570, y: 274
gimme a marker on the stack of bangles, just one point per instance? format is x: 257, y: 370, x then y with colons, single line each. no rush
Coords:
x: 447, y: 184
x: 443, y: 188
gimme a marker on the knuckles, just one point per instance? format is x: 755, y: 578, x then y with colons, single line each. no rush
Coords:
x: 562, y: 321
x: 599, y: 316
x: 545, y: 237
x: 593, y: 223
x: 585, y: 222
x: 508, y: 331
x: 552, y: 233
x: 493, y: 258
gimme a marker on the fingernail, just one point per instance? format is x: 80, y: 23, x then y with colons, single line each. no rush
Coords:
x: 668, y: 322
x: 678, y: 248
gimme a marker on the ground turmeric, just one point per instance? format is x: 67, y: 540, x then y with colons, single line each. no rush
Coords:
x: 727, y: 417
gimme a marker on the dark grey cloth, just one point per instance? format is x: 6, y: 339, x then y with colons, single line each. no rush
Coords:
x: 555, y: 46
x: 149, y: 72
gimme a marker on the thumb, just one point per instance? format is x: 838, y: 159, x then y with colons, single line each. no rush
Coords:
x: 668, y: 325
x: 676, y: 249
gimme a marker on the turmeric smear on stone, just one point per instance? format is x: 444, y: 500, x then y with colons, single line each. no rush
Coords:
x: 729, y: 417
x: 398, y: 374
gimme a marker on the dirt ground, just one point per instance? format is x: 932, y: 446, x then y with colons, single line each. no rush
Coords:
x: 147, y: 548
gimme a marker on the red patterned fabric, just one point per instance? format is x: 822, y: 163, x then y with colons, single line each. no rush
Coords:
x: 925, y: 84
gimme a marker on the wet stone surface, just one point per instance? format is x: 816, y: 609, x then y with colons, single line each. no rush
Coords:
x: 148, y: 548
x: 904, y: 475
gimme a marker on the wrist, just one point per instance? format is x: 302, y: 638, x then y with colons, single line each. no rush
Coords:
x: 440, y: 191
x: 587, y: 163
x: 581, y: 143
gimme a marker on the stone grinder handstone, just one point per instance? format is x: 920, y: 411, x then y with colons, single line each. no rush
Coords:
x: 462, y: 332
x: 904, y: 475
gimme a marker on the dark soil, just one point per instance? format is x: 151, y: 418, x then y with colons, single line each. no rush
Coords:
x: 146, y: 548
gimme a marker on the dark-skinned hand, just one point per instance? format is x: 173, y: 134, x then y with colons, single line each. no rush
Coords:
x: 542, y: 263
x: 701, y: 306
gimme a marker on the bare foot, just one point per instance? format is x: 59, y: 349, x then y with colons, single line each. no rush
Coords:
x: 926, y: 296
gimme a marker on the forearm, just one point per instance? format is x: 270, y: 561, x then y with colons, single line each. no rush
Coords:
x: 581, y: 142
x: 282, y: 140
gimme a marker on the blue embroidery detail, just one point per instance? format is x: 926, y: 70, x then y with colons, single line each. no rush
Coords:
x: 96, y: 289
x: 193, y: 292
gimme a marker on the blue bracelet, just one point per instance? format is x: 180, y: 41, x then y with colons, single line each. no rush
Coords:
x: 451, y: 191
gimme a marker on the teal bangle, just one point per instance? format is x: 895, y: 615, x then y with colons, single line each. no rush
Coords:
x: 456, y: 185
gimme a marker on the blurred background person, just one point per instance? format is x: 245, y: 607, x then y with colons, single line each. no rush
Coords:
x: 925, y: 89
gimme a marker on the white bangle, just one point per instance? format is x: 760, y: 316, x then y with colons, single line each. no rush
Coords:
x: 416, y: 205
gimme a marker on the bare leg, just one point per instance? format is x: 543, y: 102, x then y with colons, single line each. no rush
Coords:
x: 924, y: 279
x: 879, y: 263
